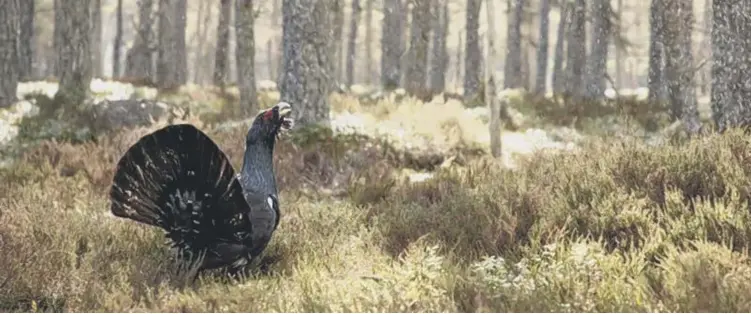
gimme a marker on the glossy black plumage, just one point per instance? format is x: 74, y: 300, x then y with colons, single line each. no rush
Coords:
x: 178, y: 179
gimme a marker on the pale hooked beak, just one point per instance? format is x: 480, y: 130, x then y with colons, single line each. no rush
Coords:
x: 285, y: 109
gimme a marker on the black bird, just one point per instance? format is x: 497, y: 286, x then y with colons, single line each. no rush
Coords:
x: 178, y: 179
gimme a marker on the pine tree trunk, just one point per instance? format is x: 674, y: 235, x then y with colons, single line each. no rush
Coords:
x: 392, y: 39
x: 598, y: 57
x: 618, y: 49
x: 96, y: 38
x: 9, y: 30
x: 352, y: 42
x: 369, y: 77
x: 139, y: 60
x: 577, y: 50
x: 542, y: 48
x: 472, y: 53
x: 731, y: 51
x: 169, y: 72
x: 245, y: 56
x: 513, y: 64
x: 417, y: 71
x: 26, y: 51
x: 307, y: 35
x: 74, y: 58
x: 559, y: 56
x: 337, y: 14
x: 117, y: 46
x: 491, y: 99
x: 440, y: 59
x: 181, y: 11
x: 656, y: 58
x: 222, y: 44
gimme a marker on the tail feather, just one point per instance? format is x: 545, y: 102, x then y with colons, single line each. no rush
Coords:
x: 178, y: 179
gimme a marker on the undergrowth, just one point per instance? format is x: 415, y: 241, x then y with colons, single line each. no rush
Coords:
x: 615, y: 226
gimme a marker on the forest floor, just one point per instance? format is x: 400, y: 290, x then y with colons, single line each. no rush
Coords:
x: 400, y: 209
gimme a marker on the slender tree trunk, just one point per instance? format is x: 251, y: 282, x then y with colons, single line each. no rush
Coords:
x: 559, y: 55
x: 203, y: 56
x: 181, y: 20
x: 458, y: 70
x: 118, y: 39
x: 577, y: 50
x: 656, y: 29
x: 472, y: 53
x: 392, y: 39
x: 245, y: 56
x: 139, y: 60
x: 276, y: 17
x: 491, y: 98
x: 598, y: 56
x: 618, y: 49
x: 417, y: 71
x: 57, y: 37
x: 542, y: 48
x: 96, y: 38
x: 74, y: 58
x: 513, y: 64
x: 26, y: 51
x: 440, y: 60
x: 337, y: 10
x: 352, y: 42
x: 222, y: 44
x: 369, y: 77
x: 171, y: 60
x: 731, y: 50
x: 307, y: 37
x: 9, y: 31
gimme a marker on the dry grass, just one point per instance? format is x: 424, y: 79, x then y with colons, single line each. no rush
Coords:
x: 614, y: 226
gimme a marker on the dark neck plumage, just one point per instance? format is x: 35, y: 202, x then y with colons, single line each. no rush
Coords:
x: 258, y: 167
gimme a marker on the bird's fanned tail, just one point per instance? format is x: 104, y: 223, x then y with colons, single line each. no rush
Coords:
x: 178, y: 179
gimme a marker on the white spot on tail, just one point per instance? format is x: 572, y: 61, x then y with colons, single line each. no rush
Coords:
x: 270, y: 200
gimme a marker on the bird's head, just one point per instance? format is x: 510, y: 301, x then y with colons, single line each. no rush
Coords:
x: 269, y: 123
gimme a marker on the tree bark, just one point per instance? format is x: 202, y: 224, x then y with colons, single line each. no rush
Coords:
x: 417, y: 71
x: 598, y: 56
x: 26, y: 51
x: 656, y: 57
x: 171, y: 51
x: 513, y: 64
x: 392, y: 38
x: 117, y: 46
x: 181, y: 49
x: 96, y: 38
x: 352, y: 42
x: 440, y: 58
x: 559, y: 56
x: 337, y: 14
x: 222, y: 44
x: 491, y: 99
x: 472, y: 53
x: 542, y: 48
x: 577, y: 50
x: 9, y: 30
x: 305, y: 83
x: 369, y: 78
x: 731, y: 51
x: 140, y: 59
x: 74, y: 58
x: 245, y: 56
